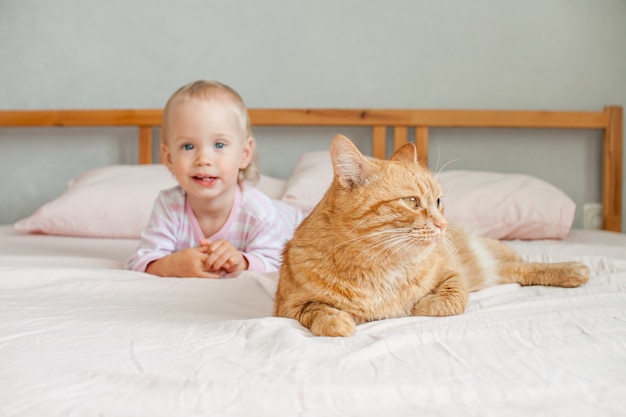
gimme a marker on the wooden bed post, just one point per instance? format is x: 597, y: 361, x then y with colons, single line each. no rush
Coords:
x: 612, y: 169
x: 145, y: 144
x: 400, y: 136
x: 379, y: 142
x: 421, y: 140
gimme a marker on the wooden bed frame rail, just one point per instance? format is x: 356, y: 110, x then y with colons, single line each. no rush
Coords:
x: 400, y: 121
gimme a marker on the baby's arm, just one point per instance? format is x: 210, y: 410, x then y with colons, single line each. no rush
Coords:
x: 184, y: 263
x: 157, y: 252
x: 222, y: 255
x: 268, y: 236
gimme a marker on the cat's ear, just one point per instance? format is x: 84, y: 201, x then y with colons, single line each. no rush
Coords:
x: 350, y: 166
x: 406, y: 153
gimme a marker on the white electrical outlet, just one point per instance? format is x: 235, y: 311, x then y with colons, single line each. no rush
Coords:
x: 592, y: 216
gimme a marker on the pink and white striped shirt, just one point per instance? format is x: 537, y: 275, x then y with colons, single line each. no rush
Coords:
x: 258, y: 226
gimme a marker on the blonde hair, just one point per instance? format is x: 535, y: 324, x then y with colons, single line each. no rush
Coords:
x: 206, y: 89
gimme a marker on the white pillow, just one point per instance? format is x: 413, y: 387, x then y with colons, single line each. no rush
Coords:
x: 503, y: 206
x: 113, y: 202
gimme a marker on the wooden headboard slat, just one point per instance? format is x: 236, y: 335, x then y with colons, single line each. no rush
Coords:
x: 400, y: 136
x: 510, y: 119
x: 80, y: 118
x: 379, y: 142
x: 421, y: 140
x: 432, y: 118
x: 612, y: 170
x: 325, y: 117
x: 145, y: 144
x: 609, y: 120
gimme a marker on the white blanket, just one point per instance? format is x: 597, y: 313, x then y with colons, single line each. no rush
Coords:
x: 86, y: 341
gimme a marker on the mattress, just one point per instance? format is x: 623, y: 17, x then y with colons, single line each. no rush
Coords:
x: 80, y: 336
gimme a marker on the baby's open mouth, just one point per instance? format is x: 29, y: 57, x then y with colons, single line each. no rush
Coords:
x: 203, y: 178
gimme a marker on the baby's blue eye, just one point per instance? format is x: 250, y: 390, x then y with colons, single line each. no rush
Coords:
x: 187, y: 147
x: 219, y: 145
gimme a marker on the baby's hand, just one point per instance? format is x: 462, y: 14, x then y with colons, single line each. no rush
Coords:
x: 184, y: 263
x: 222, y: 255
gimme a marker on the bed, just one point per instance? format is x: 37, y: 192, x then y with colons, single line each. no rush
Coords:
x: 81, y: 336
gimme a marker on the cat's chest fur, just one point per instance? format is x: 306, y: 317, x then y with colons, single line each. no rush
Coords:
x: 390, y: 292
x: 368, y: 287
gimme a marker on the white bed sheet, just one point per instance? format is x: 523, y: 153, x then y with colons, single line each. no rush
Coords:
x: 20, y: 249
x: 87, y: 339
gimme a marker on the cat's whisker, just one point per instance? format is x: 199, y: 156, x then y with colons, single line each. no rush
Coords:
x: 384, y: 243
x: 371, y: 235
x: 395, y: 243
x: 438, y: 158
x: 355, y: 240
x: 436, y: 174
x: 389, y: 244
x: 450, y: 247
x: 451, y: 227
x: 387, y: 235
x: 359, y: 224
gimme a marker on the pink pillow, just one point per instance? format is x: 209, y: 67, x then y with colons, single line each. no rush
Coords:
x: 112, y: 202
x: 503, y: 206
x: 310, y: 180
x: 506, y: 206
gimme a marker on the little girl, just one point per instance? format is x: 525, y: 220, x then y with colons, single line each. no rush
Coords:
x: 212, y: 223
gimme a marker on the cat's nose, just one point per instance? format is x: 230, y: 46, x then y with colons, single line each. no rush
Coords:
x: 441, y: 225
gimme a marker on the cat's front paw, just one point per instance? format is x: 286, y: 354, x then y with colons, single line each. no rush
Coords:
x: 339, y: 323
x: 435, y: 305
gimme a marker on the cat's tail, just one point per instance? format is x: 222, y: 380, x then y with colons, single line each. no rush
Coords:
x: 562, y: 274
x: 488, y: 262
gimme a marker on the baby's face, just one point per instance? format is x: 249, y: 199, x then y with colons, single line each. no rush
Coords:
x: 206, y: 145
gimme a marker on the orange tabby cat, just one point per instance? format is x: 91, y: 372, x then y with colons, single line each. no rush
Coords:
x: 378, y: 246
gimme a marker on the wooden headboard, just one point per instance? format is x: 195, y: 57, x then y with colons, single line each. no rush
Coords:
x: 401, y: 121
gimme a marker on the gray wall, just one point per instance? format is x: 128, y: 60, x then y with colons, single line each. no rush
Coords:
x: 533, y: 54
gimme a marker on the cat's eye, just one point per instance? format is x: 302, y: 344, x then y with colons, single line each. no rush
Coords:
x: 439, y: 204
x: 411, y: 202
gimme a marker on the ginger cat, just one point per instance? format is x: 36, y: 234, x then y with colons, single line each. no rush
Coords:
x: 378, y: 246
